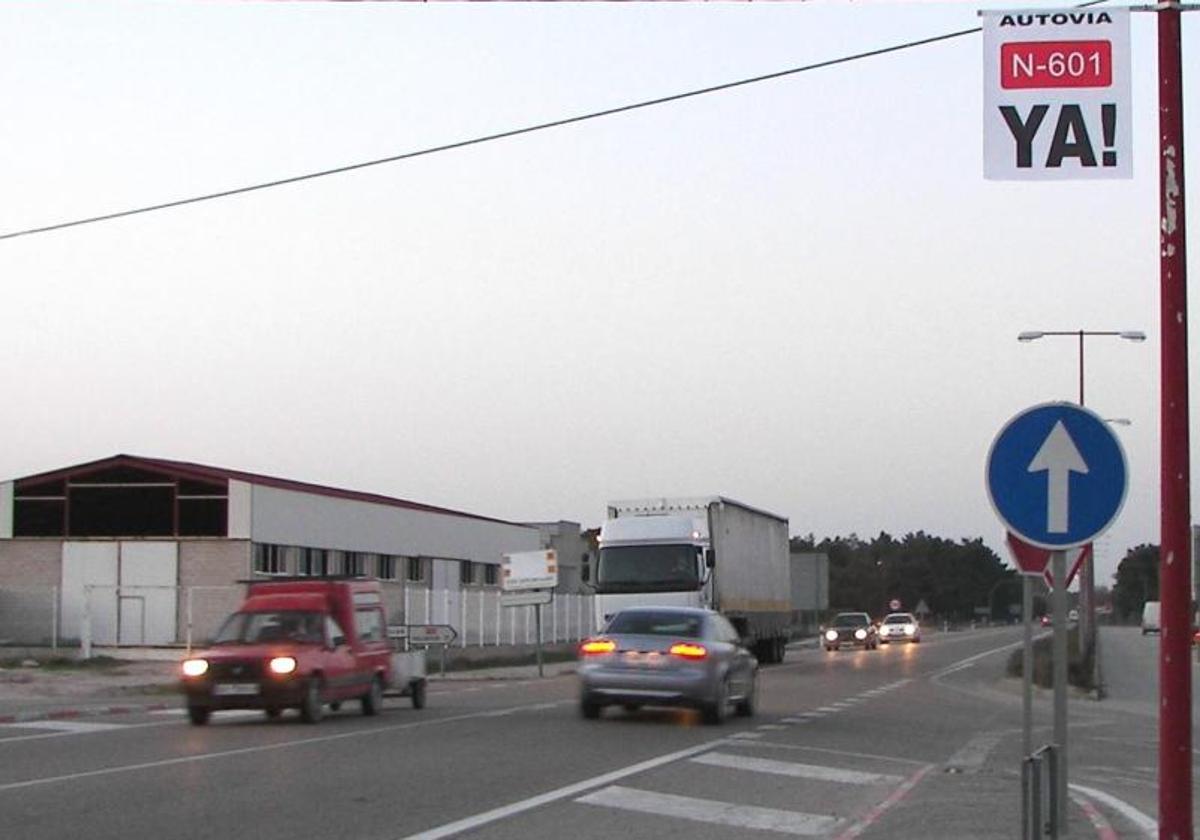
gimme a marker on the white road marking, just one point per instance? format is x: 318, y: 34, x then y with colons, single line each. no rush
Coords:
x: 711, y: 811
x: 802, y: 748
x: 505, y: 811
x: 1144, y: 823
x: 65, y: 726
x: 796, y: 720
x: 746, y: 736
x: 971, y: 757
x: 770, y: 727
x: 827, y: 709
x: 798, y: 771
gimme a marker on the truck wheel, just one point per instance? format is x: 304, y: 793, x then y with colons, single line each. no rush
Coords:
x: 418, y: 694
x: 714, y: 712
x: 780, y: 649
x: 372, y: 701
x: 311, y: 709
x: 199, y: 715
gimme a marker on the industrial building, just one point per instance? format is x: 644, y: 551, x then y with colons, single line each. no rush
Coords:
x: 146, y: 551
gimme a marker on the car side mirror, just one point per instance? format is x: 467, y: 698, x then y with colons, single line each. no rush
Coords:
x: 337, y: 642
x: 710, y: 558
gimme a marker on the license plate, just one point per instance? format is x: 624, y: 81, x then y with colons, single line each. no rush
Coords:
x: 645, y: 660
x: 235, y: 689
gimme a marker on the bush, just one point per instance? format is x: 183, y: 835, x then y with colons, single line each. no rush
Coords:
x: 1079, y: 668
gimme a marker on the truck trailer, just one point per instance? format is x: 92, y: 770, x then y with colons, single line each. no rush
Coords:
x: 709, y: 552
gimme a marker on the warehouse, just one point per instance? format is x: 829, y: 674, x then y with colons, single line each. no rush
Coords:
x: 131, y: 550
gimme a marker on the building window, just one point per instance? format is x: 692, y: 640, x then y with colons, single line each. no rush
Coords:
x: 491, y: 574
x: 269, y: 559
x: 416, y: 569
x: 387, y: 567
x: 356, y: 563
x: 466, y: 572
x: 314, y: 562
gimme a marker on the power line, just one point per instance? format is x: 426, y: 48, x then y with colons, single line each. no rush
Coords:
x: 488, y: 138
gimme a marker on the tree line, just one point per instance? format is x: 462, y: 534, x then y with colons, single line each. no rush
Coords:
x: 956, y: 580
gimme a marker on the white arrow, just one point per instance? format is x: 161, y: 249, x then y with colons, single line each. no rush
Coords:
x: 1059, y: 457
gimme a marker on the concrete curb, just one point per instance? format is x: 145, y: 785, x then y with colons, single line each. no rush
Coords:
x: 30, y: 715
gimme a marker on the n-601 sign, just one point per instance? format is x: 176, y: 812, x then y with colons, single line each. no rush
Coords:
x: 1056, y: 95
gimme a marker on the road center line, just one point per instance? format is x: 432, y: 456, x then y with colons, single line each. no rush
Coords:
x: 189, y: 759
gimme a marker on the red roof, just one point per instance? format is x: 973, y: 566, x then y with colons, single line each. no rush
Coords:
x: 185, y: 469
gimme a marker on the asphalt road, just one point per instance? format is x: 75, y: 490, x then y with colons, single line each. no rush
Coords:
x: 907, y: 741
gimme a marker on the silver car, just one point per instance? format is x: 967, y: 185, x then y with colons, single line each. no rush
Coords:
x: 899, y: 627
x: 667, y: 656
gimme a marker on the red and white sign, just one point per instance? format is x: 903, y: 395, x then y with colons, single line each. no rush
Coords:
x: 1032, y: 560
x: 894, y: 604
x: 1057, y: 101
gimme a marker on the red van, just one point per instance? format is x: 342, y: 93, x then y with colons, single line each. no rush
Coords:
x: 298, y: 643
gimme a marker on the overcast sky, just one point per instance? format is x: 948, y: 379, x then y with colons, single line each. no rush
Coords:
x: 801, y: 293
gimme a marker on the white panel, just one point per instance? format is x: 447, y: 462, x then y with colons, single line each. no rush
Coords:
x: 447, y: 593
x: 6, y: 510
x: 149, y: 577
x: 94, y: 564
x: 240, y: 510
x: 288, y: 517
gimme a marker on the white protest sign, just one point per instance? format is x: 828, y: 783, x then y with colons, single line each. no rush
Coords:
x: 1056, y: 95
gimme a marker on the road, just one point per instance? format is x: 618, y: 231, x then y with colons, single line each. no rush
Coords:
x: 906, y: 741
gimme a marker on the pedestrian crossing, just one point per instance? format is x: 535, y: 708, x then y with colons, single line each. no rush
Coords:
x: 839, y: 793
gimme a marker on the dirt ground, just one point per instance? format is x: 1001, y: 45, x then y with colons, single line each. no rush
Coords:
x: 118, y: 679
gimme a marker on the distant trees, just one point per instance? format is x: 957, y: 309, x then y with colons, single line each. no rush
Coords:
x: 1136, y: 582
x: 952, y: 578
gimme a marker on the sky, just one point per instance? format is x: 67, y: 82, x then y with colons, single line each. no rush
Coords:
x: 801, y: 293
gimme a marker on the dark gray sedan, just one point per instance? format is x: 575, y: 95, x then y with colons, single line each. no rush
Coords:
x: 667, y: 656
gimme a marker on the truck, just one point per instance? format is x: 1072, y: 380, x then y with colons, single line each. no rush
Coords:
x: 302, y: 643
x: 709, y: 552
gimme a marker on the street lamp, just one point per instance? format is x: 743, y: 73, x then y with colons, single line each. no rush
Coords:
x: 1087, y: 578
x: 1128, y: 335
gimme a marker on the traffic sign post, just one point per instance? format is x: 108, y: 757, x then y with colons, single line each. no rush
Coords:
x: 1056, y: 476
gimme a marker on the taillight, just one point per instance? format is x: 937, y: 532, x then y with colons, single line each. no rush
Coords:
x: 592, y: 647
x: 688, y: 650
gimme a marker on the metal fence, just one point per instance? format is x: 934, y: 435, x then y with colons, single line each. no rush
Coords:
x: 107, y: 615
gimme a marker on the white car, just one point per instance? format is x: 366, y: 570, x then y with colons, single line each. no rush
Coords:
x: 899, y: 627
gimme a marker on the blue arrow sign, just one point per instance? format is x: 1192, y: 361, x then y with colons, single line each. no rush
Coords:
x: 1056, y: 475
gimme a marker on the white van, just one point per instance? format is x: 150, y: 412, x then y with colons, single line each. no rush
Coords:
x: 1151, y: 620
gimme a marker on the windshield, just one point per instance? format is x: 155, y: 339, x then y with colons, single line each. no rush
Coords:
x: 899, y: 618
x: 851, y: 620
x: 642, y: 623
x: 250, y: 628
x: 653, y: 568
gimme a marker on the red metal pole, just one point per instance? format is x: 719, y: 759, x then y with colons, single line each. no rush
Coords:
x: 1175, y: 675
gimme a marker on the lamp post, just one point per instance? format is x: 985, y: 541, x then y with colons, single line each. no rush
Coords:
x: 1087, y: 577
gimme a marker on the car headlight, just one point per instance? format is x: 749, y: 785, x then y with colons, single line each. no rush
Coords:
x: 194, y: 667
x: 831, y: 635
x: 910, y: 629
x: 860, y: 634
x: 884, y: 630
x: 282, y: 665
